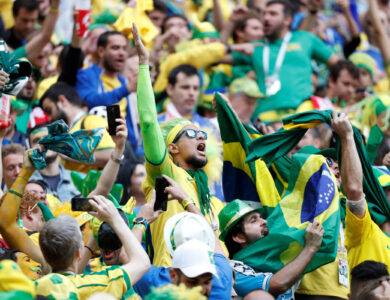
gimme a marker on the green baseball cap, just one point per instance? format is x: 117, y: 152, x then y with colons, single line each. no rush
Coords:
x: 247, y: 86
x: 231, y: 214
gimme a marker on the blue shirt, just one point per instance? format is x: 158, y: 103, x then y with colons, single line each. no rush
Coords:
x: 159, y: 276
x: 65, y: 189
x: 247, y: 280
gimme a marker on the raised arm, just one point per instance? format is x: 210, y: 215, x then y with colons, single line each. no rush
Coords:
x: 154, y: 144
x: 73, y: 58
x: 139, y: 262
x: 380, y: 31
x: 36, y: 44
x: 110, y: 171
x: 351, y: 167
x: 218, y: 15
x: 15, y: 236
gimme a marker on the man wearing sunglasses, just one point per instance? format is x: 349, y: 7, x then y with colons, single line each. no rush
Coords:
x: 178, y: 150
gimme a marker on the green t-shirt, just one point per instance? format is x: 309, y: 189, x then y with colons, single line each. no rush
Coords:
x: 295, y: 72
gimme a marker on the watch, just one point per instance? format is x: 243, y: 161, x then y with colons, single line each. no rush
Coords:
x: 117, y: 160
x: 141, y: 221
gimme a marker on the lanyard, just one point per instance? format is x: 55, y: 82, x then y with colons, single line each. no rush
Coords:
x: 279, y: 59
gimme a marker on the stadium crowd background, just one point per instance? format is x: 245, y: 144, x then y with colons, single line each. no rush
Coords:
x: 267, y: 120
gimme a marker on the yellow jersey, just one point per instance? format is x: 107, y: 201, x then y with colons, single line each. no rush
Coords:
x: 365, y: 240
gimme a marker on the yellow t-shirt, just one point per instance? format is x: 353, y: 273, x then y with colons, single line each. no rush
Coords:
x: 112, y: 280
x: 365, y: 240
x: 90, y: 122
x: 110, y: 84
x: 56, y: 286
x: 97, y: 265
x: 167, y: 167
x: 324, y: 281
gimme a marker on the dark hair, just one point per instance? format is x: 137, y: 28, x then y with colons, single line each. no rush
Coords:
x: 367, y: 270
x: 8, y: 254
x: 251, y: 5
x: 62, y: 88
x: 232, y: 246
x: 39, y: 182
x: 29, y: 5
x: 343, y: 64
x: 103, y: 38
x: 107, y: 238
x: 188, y: 70
x: 160, y: 6
x: 288, y: 8
x: 167, y: 18
x: 63, y: 56
x: 240, y: 25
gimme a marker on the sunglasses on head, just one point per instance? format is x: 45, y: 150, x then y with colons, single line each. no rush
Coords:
x: 191, y: 133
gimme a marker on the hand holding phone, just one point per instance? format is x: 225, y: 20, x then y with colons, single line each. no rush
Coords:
x: 113, y: 112
x: 161, y: 196
x: 81, y: 204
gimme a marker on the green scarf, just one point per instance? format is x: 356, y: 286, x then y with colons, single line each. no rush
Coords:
x: 201, y: 180
x: 271, y: 147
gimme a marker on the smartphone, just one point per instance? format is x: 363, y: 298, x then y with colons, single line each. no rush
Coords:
x: 81, y: 204
x: 113, y: 112
x: 161, y: 197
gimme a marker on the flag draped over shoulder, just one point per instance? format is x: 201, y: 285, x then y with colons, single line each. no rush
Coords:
x: 247, y: 181
x: 312, y: 194
x: 273, y: 146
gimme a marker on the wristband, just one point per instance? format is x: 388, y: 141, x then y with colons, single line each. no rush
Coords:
x: 16, y: 193
x: 90, y: 250
x: 117, y: 160
x: 187, y: 202
x: 54, y: 10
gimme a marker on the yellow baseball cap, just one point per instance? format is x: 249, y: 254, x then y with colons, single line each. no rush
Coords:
x: 247, y: 86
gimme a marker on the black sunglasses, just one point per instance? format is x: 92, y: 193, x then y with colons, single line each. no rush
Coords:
x: 191, y: 133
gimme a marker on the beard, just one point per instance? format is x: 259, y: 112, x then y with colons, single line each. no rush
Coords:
x: 275, y: 34
x: 109, y: 65
x: 49, y: 159
x: 61, y: 115
x: 196, y: 162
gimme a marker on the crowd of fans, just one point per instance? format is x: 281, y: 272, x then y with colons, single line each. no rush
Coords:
x: 267, y: 121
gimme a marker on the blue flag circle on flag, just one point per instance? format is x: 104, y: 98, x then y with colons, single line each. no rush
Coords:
x: 318, y: 195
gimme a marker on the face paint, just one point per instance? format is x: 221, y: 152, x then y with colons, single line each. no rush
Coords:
x: 30, y: 268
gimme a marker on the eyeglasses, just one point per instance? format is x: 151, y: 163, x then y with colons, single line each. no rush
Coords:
x: 191, y: 133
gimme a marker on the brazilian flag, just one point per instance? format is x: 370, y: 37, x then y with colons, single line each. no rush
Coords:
x: 247, y: 181
x: 273, y: 146
x: 312, y: 194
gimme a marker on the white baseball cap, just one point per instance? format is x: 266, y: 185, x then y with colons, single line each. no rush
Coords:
x: 187, y: 226
x: 194, y: 258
